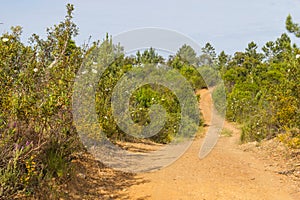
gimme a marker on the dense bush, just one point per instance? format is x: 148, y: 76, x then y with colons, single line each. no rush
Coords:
x: 36, y: 121
x: 263, y: 89
x: 37, y: 135
x: 37, y: 132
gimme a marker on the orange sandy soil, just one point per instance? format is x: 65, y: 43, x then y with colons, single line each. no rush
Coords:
x: 230, y: 171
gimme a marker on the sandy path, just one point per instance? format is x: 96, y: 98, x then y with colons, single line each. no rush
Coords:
x: 226, y: 173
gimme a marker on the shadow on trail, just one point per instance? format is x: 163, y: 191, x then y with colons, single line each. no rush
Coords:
x: 93, y: 180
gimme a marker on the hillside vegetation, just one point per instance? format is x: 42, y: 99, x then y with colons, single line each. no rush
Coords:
x: 38, y: 138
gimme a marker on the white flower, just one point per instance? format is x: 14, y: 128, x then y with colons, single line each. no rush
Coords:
x: 5, y: 39
x: 94, y: 71
x: 105, y: 117
x: 84, y: 72
x: 35, y: 70
x: 95, y: 63
x: 297, y: 56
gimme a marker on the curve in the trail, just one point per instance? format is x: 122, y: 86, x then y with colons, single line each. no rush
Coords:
x: 226, y: 173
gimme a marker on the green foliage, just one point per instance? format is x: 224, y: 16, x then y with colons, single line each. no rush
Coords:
x: 144, y: 97
x: 212, y: 76
x: 148, y: 95
x: 37, y: 135
x: 263, y: 90
x: 10, y: 175
x: 36, y: 86
x: 291, y: 26
x: 209, y: 55
x: 222, y: 60
x: 56, y: 164
x: 141, y: 100
x: 149, y: 56
x: 187, y: 54
x: 219, y: 99
x: 185, y: 61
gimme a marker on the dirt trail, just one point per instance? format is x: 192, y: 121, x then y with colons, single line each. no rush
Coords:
x: 226, y: 173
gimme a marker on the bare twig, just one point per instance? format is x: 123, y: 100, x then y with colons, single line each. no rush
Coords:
x: 57, y: 58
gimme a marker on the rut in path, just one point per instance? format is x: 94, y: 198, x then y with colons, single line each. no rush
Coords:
x: 226, y: 173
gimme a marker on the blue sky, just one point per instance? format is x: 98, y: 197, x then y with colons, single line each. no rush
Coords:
x: 228, y: 25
